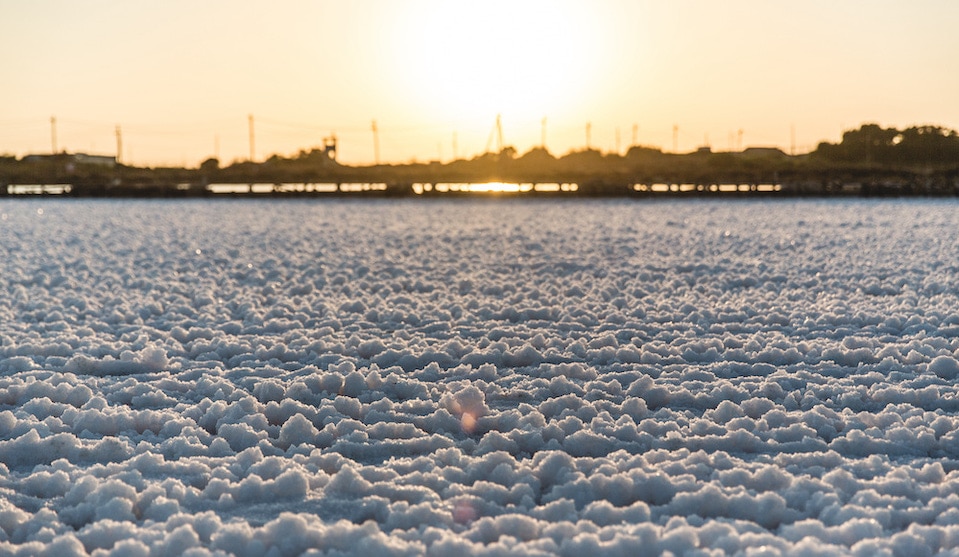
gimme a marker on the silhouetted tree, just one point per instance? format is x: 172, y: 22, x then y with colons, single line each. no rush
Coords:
x: 870, y: 143
x: 927, y: 145
x: 508, y: 153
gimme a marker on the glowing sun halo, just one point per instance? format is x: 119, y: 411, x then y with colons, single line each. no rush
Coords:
x: 462, y: 60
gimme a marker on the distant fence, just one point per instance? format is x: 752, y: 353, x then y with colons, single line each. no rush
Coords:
x: 496, y: 188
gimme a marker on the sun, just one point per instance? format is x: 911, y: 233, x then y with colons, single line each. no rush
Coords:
x: 472, y: 60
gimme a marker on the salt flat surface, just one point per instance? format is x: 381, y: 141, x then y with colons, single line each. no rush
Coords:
x: 479, y: 377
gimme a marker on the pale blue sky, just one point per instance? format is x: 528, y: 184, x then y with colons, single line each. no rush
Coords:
x: 181, y: 77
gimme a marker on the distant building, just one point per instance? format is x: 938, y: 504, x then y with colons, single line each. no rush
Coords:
x: 100, y: 160
x: 75, y: 158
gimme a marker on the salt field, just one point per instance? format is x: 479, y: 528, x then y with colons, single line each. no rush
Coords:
x: 479, y: 377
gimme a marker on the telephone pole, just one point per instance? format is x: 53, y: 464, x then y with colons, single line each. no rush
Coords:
x: 252, y: 139
x: 589, y: 129
x: 675, y: 138
x: 376, y: 144
x: 542, y: 140
x: 635, y: 135
x: 499, y: 132
x: 53, y: 134
x: 119, y: 145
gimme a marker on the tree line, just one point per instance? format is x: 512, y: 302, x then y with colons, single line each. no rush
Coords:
x: 926, y: 154
x: 920, y: 146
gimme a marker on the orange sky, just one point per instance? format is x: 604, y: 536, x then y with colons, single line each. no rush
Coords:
x: 180, y: 77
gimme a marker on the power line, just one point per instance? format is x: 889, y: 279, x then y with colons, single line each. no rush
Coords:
x: 309, y: 126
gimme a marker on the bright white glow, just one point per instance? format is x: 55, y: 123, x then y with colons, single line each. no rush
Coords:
x: 495, y: 187
x: 470, y: 60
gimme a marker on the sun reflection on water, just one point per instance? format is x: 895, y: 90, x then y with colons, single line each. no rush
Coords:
x: 492, y: 187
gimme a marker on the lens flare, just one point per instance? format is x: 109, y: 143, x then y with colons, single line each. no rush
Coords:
x: 468, y: 422
x: 464, y: 512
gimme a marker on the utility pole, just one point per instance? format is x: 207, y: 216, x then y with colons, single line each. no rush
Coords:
x: 499, y: 132
x: 119, y: 145
x: 675, y: 138
x: 53, y: 134
x: 376, y: 144
x: 635, y: 135
x: 739, y: 135
x: 456, y: 151
x: 589, y: 130
x: 542, y: 139
x: 252, y: 139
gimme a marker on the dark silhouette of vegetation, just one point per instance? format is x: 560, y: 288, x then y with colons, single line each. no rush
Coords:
x: 871, y: 160
x: 872, y: 145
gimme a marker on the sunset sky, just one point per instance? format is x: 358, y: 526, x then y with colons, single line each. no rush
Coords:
x: 180, y: 78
